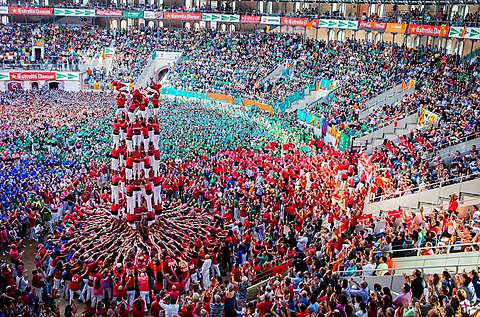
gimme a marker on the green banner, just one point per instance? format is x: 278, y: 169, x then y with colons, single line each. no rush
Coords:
x: 338, y: 24
x: 212, y: 17
x: 344, y: 142
x: 74, y: 12
x: 464, y: 33
x: 67, y: 76
x: 132, y: 14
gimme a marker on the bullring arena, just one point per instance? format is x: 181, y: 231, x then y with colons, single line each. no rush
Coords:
x: 240, y: 158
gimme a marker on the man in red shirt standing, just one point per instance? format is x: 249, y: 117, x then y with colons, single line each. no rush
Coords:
x: 264, y: 306
x: 156, y: 308
x: 74, y: 287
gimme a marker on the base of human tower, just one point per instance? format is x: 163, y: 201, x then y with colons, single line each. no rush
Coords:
x: 178, y: 230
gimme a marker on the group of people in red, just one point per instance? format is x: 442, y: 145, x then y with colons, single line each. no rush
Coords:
x: 135, y: 157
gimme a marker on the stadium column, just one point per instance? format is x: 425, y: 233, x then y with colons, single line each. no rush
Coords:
x: 476, y: 22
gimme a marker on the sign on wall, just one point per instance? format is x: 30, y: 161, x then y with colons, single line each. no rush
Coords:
x: 74, y: 12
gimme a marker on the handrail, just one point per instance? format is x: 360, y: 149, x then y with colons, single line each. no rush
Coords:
x: 402, y: 269
x: 465, y: 202
x: 419, y: 249
x: 386, y: 124
x: 417, y: 189
x: 394, y: 90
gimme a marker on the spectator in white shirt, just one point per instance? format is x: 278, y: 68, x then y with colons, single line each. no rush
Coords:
x: 368, y: 268
x: 171, y: 310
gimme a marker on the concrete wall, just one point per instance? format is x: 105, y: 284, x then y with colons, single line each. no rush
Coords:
x: 432, y: 197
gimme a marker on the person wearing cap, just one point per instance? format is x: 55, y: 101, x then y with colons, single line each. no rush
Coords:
x: 155, y: 308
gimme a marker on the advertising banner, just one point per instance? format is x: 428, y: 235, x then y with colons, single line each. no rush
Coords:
x: 400, y: 28
x: 109, y: 52
x: 208, y: 17
x: 428, y: 30
x: 379, y: 26
x: 338, y: 24
x: 74, y: 12
x: 299, y: 22
x: 14, y: 85
x: 109, y: 13
x: 33, y: 76
x: 67, y: 76
x: 252, y: 19
x: 464, y: 33
x: 270, y: 20
x: 152, y: 15
x: 184, y: 16
x: 132, y: 14
x: 3, y: 10
x: 4, y: 76
x: 31, y: 11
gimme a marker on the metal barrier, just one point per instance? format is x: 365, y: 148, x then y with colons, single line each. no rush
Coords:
x: 396, y: 281
x: 262, y: 279
x: 432, y: 196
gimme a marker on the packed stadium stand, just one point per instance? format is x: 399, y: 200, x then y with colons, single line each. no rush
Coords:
x: 240, y: 158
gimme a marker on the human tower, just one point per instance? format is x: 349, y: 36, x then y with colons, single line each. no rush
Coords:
x: 141, y: 217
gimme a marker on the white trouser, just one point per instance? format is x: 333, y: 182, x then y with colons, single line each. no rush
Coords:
x: 155, y: 141
x: 146, y: 170
x: 129, y: 173
x: 194, y: 277
x: 137, y: 167
x: 115, y: 163
x: 148, y: 198
x: 130, y: 205
x: 131, y: 115
x: 116, y: 140
x: 206, y: 279
x: 96, y: 299
x: 156, y: 167
x: 142, y: 113
x: 120, y: 111
x: 129, y: 145
x: 146, y: 141
x: 156, y: 195
x: 121, y: 186
x: 137, y: 197
x: 216, y: 270
x: 137, y: 139
x: 89, y: 293
x: 115, y: 191
x: 80, y: 294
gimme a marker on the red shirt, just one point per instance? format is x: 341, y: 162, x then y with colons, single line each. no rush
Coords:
x: 264, y: 307
x: 75, y: 283
x: 138, y: 312
x: 155, y: 308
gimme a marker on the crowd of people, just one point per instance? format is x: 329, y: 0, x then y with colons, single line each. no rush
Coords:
x: 258, y: 201
x: 217, y: 198
x: 63, y: 45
